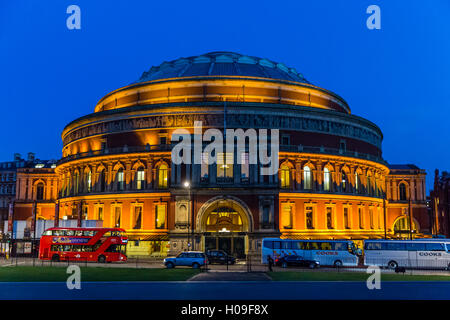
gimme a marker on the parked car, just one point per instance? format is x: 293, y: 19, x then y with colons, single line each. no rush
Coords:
x: 193, y: 259
x: 297, y: 261
x: 220, y: 256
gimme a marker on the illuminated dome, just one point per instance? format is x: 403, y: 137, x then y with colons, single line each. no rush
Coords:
x: 222, y: 64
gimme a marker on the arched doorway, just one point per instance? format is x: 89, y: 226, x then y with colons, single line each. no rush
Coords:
x: 402, y: 229
x: 225, y: 224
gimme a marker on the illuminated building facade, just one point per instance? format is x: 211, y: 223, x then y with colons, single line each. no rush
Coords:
x: 116, y: 163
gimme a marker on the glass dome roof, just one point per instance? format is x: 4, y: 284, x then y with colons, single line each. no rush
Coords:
x: 222, y: 64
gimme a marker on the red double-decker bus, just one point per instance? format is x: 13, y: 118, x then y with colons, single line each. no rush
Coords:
x: 83, y: 244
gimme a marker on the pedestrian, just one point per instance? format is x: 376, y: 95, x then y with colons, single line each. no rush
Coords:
x: 270, y: 261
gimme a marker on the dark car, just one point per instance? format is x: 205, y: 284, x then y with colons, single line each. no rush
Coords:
x: 220, y: 256
x: 296, y: 261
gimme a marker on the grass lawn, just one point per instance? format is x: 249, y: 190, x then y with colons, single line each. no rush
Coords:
x: 26, y: 274
x: 349, y: 276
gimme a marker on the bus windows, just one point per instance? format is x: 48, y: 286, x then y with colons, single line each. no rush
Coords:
x: 325, y: 246
x: 395, y: 246
x: 435, y: 247
x: 415, y: 246
x: 67, y: 248
x: 373, y: 246
x: 69, y: 232
x: 89, y: 233
x: 268, y: 244
x: 314, y: 246
x: 277, y: 245
x: 340, y: 246
x: 297, y: 245
x: 79, y: 233
x: 117, y: 248
x: 286, y: 245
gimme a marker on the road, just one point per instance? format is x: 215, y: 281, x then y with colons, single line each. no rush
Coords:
x: 220, y: 290
x: 157, y: 263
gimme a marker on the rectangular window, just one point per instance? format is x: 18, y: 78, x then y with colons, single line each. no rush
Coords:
x: 85, y: 213
x: 266, y: 216
x: 117, y: 216
x: 100, y: 213
x: 137, y: 217
x: 160, y: 216
x: 204, y: 166
x: 395, y: 246
x: 286, y: 212
x: 245, y: 167
x: 225, y: 165
x: 309, y: 217
x: 346, y: 221
x: 360, y: 218
x: 371, y: 218
x: 329, y: 217
x: 415, y: 247
x: 140, y: 176
x: 435, y: 247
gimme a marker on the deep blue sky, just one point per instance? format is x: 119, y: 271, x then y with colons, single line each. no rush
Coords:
x: 398, y: 77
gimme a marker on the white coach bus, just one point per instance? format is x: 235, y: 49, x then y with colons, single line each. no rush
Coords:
x: 327, y: 252
x: 418, y: 253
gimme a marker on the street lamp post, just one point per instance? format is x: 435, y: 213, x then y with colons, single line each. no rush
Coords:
x: 187, y: 185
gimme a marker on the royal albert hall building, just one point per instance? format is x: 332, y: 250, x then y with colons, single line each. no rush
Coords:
x: 332, y: 181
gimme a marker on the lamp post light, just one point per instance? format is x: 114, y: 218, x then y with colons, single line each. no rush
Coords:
x: 187, y: 185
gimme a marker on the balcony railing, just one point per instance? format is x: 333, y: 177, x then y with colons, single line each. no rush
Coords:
x: 333, y: 151
x: 168, y: 147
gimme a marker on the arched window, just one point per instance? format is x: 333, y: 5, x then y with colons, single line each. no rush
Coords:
x: 402, y: 225
x: 357, y: 182
x: 344, y: 182
x: 326, y: 180
x: 102, y: 180
x: 119, y: 180
x: 88, y: 181
x: 140, y: 178
x: 40, y: 191
x: 307, y: 183
x: 402, y: 192
x: 77, y: 182
x: 162, y: 176
x: 369, y: 186
x: 285, y: 178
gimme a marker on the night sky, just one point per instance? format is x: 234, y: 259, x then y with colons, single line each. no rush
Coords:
x: 397, y: 77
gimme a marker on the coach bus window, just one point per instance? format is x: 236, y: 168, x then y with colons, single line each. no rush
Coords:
x: 396, y: 246
x: 435, y: 247
x: 297, y: 245
x: 268, y: 244
x: 277, y: 245
x: 325, y: 246
x: 67, y: 248
x: 373, y: 246
x: 314, y: 246
x: 340, y: 246
x: 69, y: 232
x: 415, y: 246
x: 287, y: 245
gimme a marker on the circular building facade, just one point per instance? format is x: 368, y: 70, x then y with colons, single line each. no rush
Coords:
x: 117, y: 163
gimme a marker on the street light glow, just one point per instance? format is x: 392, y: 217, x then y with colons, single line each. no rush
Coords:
x: 186, y: 184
